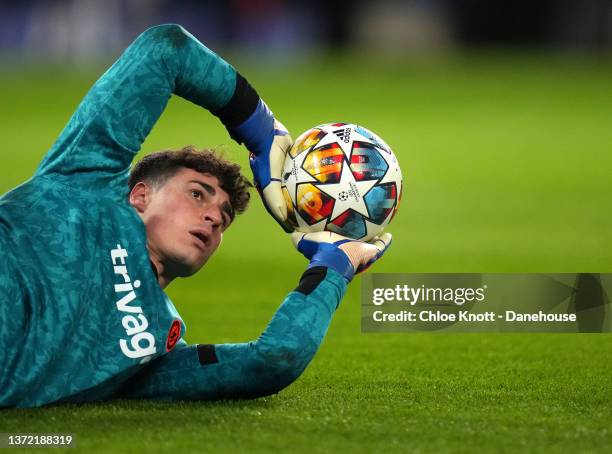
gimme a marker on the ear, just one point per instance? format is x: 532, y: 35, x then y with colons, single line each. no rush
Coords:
x: 140, y: 196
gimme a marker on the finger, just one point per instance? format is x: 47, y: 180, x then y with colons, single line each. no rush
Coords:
x: 278, y: 152
x: 279, y: 128
x: 275, y: 201
x: 309, y: 243
x: 326, y: 237
x: 382, y: 242
x: 305, y: 245
x: 286, y: 226
x: 296, y: 237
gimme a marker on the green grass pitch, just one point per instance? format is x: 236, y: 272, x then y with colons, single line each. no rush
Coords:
x: 507, y: 169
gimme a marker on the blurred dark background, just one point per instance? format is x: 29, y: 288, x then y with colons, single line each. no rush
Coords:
x: 83, y: 30
x: 499, y: 112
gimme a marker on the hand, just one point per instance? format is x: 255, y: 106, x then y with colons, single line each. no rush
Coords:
x: 344, y: 255
x: 267, y: 166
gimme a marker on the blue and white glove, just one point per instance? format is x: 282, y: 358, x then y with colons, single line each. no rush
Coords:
x: 344, y: 255
x: 267, y: 166
x: 268, y: 142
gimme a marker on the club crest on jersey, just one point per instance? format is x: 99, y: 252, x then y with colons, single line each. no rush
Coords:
x: 140, y: 342
x: 173, y: 335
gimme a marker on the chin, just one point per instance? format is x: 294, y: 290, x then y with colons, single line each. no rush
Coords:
x: 186, y: 270
x: 186, y: 265
x: 192, y: 267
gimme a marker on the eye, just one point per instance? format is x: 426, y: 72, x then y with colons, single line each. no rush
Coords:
x: 196, y: 194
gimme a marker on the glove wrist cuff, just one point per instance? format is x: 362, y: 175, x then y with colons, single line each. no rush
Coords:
x: 257, y: 131
x: 241, y: 105
x: 333, y: 258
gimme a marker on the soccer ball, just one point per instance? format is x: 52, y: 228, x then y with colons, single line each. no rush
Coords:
x: 342, y: 178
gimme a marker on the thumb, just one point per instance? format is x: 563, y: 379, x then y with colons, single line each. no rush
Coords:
x: 275, y: 201
x: 296, y: 237
x: 363, y: 255
x: 382, y: 242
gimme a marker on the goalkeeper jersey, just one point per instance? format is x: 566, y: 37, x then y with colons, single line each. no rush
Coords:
x: 82, y: 316
x: 80, y: 304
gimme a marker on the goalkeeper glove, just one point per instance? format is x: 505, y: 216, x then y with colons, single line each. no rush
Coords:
x: 269, y: 142
x: 249, y: 121
x: 344, y: 255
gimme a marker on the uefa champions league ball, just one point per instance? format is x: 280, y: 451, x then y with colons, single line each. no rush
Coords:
x: 342, y: 178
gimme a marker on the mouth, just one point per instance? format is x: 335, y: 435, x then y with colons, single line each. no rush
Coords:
x: 201, y: 239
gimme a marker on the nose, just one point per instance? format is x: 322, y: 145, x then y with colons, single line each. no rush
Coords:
x: 213, y: 216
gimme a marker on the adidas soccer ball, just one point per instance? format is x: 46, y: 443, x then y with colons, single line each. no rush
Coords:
x: 342, y: 178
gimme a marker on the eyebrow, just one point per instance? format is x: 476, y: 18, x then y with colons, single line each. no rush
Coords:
x: 226, y: 207
x: 208, y: 188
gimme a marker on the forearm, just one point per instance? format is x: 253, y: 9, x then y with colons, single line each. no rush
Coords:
x: 120, y: 110
x: 257, y: 368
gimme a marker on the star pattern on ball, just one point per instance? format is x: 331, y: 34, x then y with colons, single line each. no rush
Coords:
x: 393, y: 173
x: 298, y: 174
x: 371, y: 227
x: 331, y: 138
x: 303, y: 226
x: 355, y: 191
x: 359, y: 137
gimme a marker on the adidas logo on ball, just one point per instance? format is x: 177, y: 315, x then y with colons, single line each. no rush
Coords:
x: 344, y: 134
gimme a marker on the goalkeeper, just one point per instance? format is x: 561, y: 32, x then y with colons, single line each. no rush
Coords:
x: 88, y: 248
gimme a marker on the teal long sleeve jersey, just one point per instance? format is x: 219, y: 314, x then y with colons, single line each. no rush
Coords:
x: 82, y: 316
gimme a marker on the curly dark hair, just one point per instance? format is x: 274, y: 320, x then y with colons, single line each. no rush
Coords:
x: 158, y: 167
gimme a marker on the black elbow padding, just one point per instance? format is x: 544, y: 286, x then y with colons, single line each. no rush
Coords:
x: 207, y: 354
x: 311, y: 278
x: 241, y: 105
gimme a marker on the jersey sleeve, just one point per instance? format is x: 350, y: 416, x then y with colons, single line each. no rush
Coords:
x: 252, y: 369
x: 97, y: 146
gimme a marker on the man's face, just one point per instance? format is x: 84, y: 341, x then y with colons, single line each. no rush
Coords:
x: 184, y: 218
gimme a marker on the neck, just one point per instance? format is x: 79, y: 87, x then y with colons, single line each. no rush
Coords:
x: 163, y: 276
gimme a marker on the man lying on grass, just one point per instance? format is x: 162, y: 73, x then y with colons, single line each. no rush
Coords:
x: 87, y: 248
